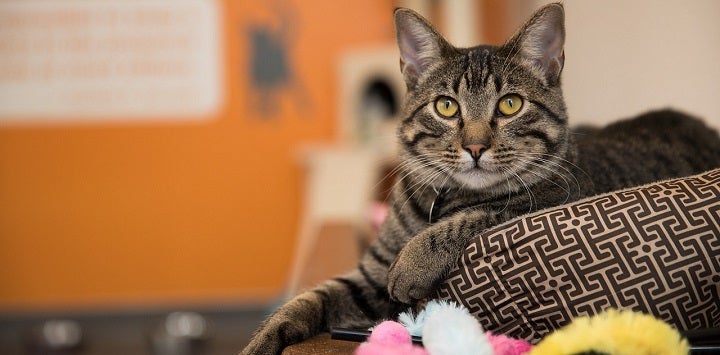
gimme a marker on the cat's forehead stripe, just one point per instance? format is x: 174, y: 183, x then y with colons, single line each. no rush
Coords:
x: 459, y: 79
x: 477, y: 69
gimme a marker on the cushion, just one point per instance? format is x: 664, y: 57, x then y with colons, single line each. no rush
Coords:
x: 654, y: 249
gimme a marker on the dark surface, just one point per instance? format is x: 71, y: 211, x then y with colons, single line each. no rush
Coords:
x: 131, y: 332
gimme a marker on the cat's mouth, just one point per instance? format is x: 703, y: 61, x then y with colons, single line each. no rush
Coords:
x: 478, y: 166
x: 476, y: 170
x: 479, y: 171
x: 479, y: 176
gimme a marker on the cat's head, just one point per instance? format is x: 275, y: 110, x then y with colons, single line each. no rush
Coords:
x: 485, y: 117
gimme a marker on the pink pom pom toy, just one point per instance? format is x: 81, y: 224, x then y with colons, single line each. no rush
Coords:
x: 387, y: 338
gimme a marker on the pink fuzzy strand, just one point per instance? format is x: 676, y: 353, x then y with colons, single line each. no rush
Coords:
x: 504, y: 345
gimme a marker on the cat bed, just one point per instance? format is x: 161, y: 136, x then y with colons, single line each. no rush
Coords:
x: 653, y: 249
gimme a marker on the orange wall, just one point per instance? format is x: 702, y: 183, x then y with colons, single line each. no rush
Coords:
x: 106, y: 215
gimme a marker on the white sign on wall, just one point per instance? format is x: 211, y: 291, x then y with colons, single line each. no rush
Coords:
x: 107, y: 60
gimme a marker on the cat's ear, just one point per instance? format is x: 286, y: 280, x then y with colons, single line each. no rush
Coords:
x: 420, y: 45
x: 540, y: 42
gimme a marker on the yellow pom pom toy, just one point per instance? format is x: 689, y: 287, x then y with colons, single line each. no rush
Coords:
x: 614, y: 333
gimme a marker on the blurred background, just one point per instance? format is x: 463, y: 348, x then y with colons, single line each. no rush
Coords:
x: 171, y: 169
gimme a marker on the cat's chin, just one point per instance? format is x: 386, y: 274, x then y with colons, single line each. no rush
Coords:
x: 479, y: 179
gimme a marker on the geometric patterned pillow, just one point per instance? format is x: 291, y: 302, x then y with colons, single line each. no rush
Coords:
x: 654, y: 249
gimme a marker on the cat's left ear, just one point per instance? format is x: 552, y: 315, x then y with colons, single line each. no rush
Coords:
x: 540, y: 42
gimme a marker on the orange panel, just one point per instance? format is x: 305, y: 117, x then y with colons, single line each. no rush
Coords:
x: 116, y: 214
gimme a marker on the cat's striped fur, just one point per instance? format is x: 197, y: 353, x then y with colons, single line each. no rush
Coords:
x: 462, y: 174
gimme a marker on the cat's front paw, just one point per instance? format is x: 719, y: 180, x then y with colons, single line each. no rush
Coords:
x: 263, y: 344
x: 418, y: 270
x: 273, y: 337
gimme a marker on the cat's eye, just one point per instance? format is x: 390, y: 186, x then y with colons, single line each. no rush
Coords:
x: 446, y: 107
x: 510, y: 104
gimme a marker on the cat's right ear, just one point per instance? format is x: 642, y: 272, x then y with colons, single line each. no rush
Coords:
x: 420, y: 45
x: 540, y: 42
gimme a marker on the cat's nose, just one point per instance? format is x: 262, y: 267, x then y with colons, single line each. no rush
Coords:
x: 475, y: 150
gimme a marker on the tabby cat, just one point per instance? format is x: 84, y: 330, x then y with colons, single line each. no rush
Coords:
x: 484, y: 138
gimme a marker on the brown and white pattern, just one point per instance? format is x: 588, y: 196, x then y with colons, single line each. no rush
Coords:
x: 654, y: 249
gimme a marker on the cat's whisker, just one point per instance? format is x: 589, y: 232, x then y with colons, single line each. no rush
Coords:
x: 447, y: 176
x: 424, y: 184
x: 416, y: 186
x: 559, y: 165
x: 504, y: 172
x: 559, y: 158
x: 551, y: 171
x: 420, y: 161
x: 399, y: 167
x: 425, y: 181
x: 531, y: 196
x: 407, y: 175
x: 536, y: 163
